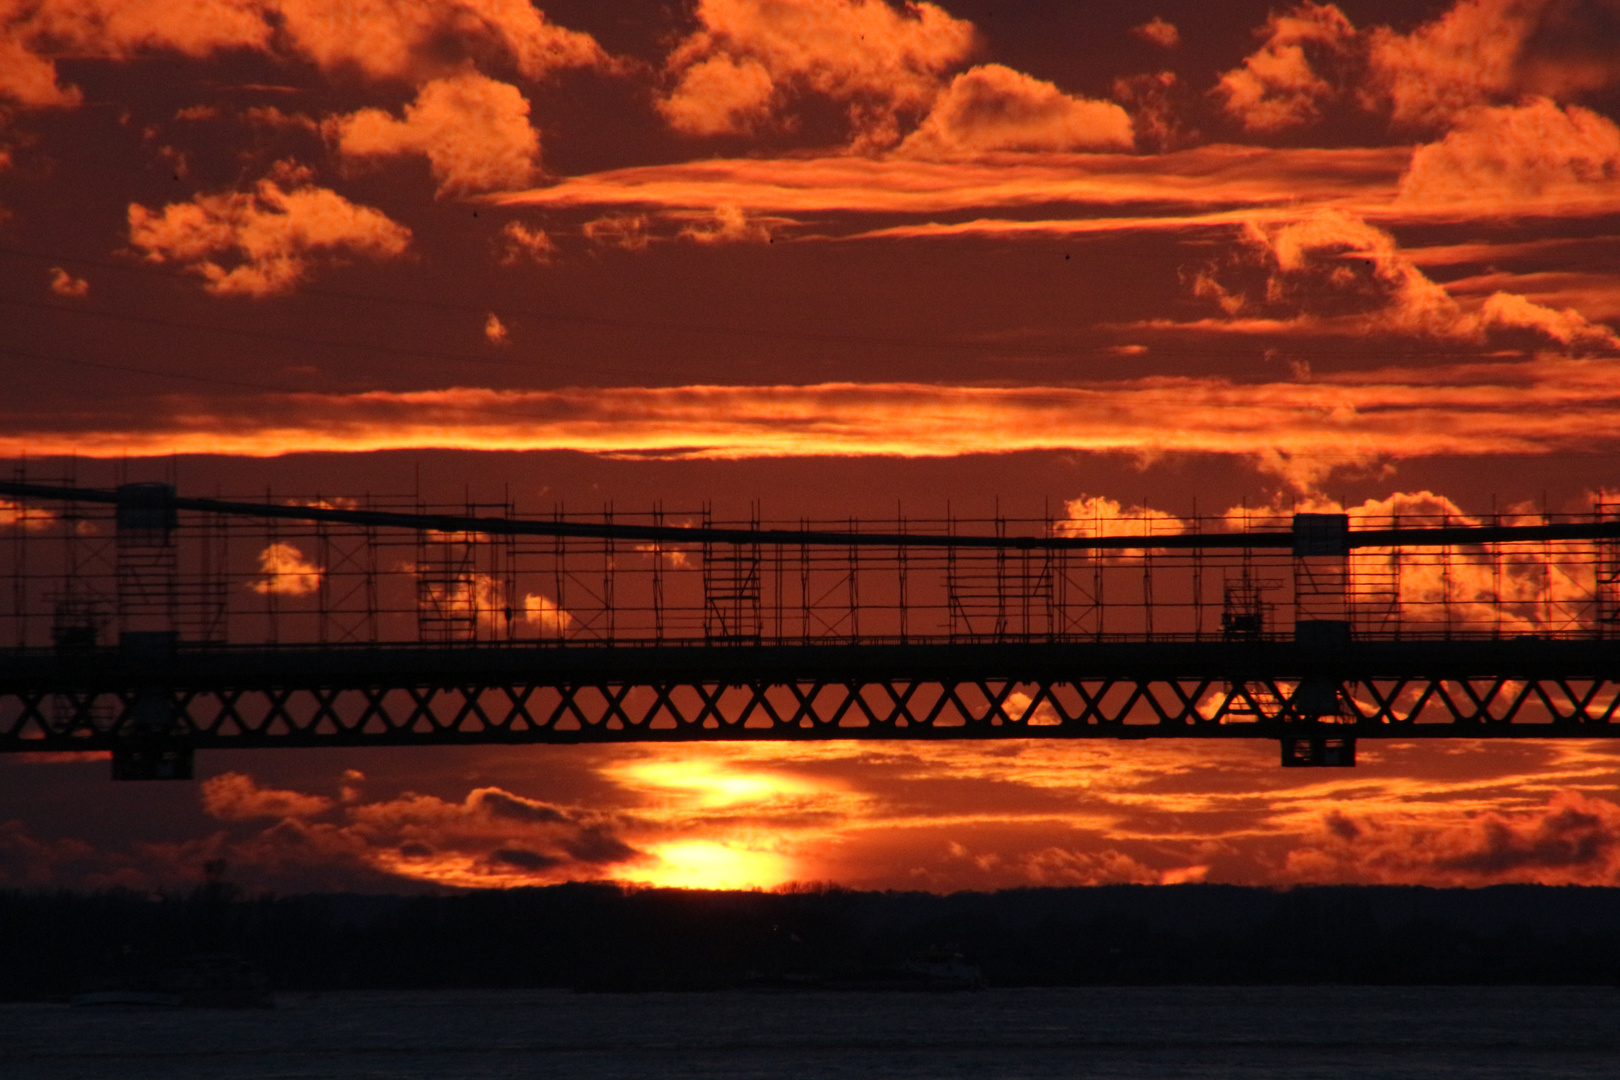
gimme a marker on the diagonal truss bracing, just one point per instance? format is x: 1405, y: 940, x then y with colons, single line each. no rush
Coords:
x: 519, y: 695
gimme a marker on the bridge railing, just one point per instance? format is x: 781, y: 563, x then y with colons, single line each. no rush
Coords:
x: 80, y: 567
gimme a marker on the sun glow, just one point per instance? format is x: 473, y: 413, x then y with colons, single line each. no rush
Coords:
x: 706, y: 864
x: 709, y: 785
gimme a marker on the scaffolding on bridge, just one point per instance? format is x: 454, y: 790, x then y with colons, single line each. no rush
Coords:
x: 149, y: 623
x: 369, y: 570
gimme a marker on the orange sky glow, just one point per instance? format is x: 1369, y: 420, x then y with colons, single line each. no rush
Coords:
x: 845, y: 257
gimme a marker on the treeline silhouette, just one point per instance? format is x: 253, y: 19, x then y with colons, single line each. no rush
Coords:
x: 603, y: 937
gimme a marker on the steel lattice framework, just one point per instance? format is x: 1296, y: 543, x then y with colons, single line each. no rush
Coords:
x: 159, y: 694
x: 144, y: 709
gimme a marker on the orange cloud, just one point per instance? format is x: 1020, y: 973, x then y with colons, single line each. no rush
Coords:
x: 549, y: 620
x: 65, y: 284
x: 1573, y: 840
x: 389, y: 40
x: 991, y: 107
x: 941, y: 816
x: 401, y: 39
x: 491, y: 839
x: 27, y: 515
x: 727, y: 225
x: 1299, y: 428
x: 234, y: 796
x: 1097, y: 515
x: 33, y: 35
x: 520, y: 243
x: 494, y: 330
x: 1519, y: 160
x: 286, y: 572
x: 1158, y: 32
x: 1330, y: 272
x: 473, y: 130
x: 1478, y: 53
x: 1485, y: 51
x: 720, y: 95
x: 1147, y: 97
x: 273, y: 234
x: 750, y: 58
x: 1211, y: 178
x: 1277, y: 87
x: 1595, y: 294
x: 1529, y: 591
x: 625, y: 231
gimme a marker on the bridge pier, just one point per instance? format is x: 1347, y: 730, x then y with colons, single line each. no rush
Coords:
x: 153, y: 761
x: 1318, y: 751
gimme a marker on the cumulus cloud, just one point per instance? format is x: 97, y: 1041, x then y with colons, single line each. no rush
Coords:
x: 720, y: 95
x: 1573, y: 840
x: 1058, y: 867
x: 390, y: 39
x: 1490, y: 51
x: 286, y: 572
x: 1548, y: 589
x: 625, y: 231
x: 1097, y: 515
x: 473, y: 130
x: 401, y: 39
x: 519, y: 243
x: 727, y: 225
x: 491, y: 839
x: 65, y: 284
x: 494, y: 330
x: 542, y: 613
x: 1158, y: 32
x: 33, y: 35
x: 1147, y: 97
x: 1477, y: 53
x: 1518, y: 159
x: 991, y: 107
x: 465, y: 605
x: 263, y: 242
x: 751, y: 59
x: 1508, y: 311
x: 1279, y: 86
x: 1333, y: 272
x: 234, y: 796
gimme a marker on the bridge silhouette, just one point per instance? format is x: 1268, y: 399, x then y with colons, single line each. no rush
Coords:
x: 147, y: 624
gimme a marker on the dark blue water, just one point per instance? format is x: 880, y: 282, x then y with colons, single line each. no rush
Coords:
x: 1295, y: 1032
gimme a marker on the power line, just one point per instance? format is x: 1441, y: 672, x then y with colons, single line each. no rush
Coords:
x: 655, y: 325
x: 58, y: 358
x: 271, y: 335
x: 161, y: 497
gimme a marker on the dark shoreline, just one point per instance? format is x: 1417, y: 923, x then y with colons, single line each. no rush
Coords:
x: 604, y: 938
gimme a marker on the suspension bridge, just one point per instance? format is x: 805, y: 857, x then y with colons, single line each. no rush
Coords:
x: 147, y: 624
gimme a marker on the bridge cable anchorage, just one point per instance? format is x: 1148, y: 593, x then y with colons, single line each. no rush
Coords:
x: 149, y: 624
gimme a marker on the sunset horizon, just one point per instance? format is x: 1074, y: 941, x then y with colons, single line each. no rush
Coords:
x: 1156, y: 270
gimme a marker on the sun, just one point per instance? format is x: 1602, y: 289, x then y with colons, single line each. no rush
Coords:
x: 707, y: 864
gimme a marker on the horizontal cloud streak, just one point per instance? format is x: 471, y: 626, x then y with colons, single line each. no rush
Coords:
x: 1530, y: 407
x: 1204, y: 177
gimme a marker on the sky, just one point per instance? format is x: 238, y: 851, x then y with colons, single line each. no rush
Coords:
x: 837, y: 256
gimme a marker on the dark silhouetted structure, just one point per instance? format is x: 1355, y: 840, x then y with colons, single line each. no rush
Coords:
x: 152, y: 625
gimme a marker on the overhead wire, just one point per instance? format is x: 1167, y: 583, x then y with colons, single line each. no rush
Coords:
x: 619, y: 323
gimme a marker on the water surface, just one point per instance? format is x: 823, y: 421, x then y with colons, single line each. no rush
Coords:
x: 1253, y: 1033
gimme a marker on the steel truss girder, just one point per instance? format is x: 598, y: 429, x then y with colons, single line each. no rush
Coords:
x: 1120, y: 708
x: 305, y: 697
